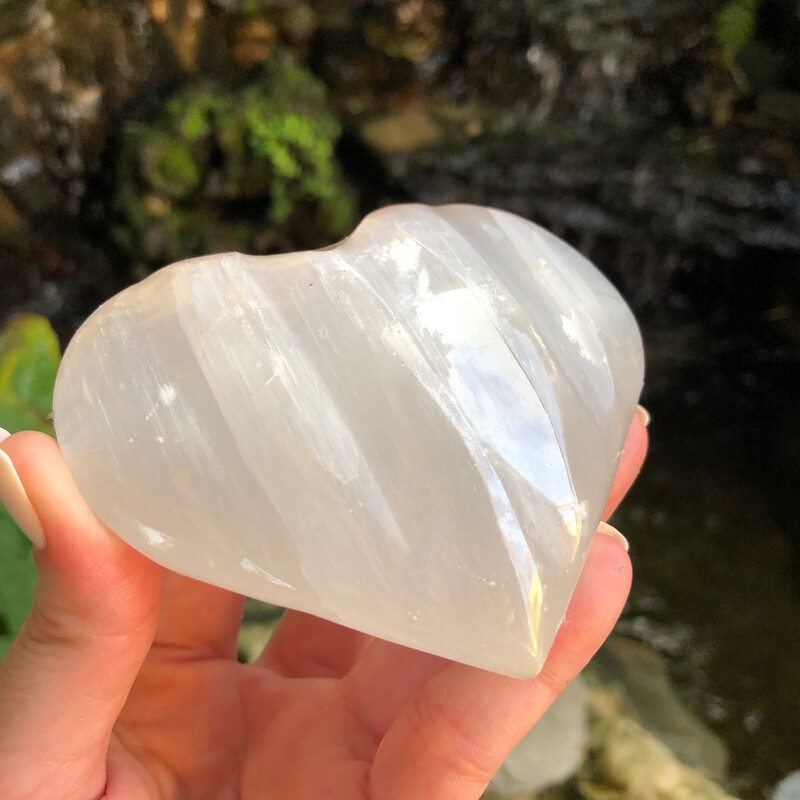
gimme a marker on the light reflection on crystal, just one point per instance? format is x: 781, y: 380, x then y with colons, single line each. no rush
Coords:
x: 573, y: 516
x: 535, y: 601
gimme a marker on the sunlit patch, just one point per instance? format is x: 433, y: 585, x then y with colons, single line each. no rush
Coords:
x: 573, y: 515
x: 535, y: 603
x: 249, y: 566
x: 573, y: 332
x: 405, y: 252
x: 155, y: 538
x: 167, y: 394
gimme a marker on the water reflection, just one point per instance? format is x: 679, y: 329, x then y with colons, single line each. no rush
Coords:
x: 711, y: 528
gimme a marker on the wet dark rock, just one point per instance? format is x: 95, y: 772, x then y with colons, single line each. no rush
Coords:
x: 642, y: 193
x: 60, y: 101
x: 60, y: 96
x: 647, y: 695
x: 63, y: 105
x: 626, y: 761
x: 620, y: 125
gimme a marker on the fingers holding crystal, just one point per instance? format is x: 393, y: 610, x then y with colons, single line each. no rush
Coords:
x: 68, y: 673
x: 455, y: 732
x: 383, y: 680
x: 386, y: 674
x: 198, y: 619
x: 304, y: 646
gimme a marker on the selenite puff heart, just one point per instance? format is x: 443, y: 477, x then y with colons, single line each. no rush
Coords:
x: 412, y: 433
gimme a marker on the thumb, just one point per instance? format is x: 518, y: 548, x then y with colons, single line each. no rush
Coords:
x: 69, y: 671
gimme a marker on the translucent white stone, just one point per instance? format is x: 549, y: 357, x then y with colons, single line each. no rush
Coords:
x: 412, y: 433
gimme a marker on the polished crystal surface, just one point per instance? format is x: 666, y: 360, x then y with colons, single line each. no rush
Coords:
x: 412, y: 433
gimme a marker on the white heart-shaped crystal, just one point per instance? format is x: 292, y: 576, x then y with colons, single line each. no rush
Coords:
x: 412, y: 433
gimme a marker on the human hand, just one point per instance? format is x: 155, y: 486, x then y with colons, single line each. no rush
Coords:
x: 123, y: 683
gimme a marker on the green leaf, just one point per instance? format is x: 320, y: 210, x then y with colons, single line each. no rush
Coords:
x: 17, y: 575
x: 29, y: 358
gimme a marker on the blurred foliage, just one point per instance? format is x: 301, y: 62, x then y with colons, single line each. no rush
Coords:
x: 221, y: 169
x: 735, y: 26
x: 29, y: 358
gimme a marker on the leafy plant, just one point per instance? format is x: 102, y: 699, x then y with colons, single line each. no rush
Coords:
x: 29, y: 358
x: 249, y: 167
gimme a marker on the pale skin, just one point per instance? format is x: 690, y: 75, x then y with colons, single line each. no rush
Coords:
x: 124, y: 685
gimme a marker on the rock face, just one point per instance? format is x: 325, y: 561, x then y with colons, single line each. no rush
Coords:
x: 413, y: 433
x: 640, y: 679
x: 629, y: 762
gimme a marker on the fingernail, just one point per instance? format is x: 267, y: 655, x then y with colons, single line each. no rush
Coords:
x: 610, y: 530
x: 643, y: 414
x: 14, y: 497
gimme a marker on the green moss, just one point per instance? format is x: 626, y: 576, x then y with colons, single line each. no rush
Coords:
x: 169, y: 166
x: 194, y: 114
x: 221, y: 167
